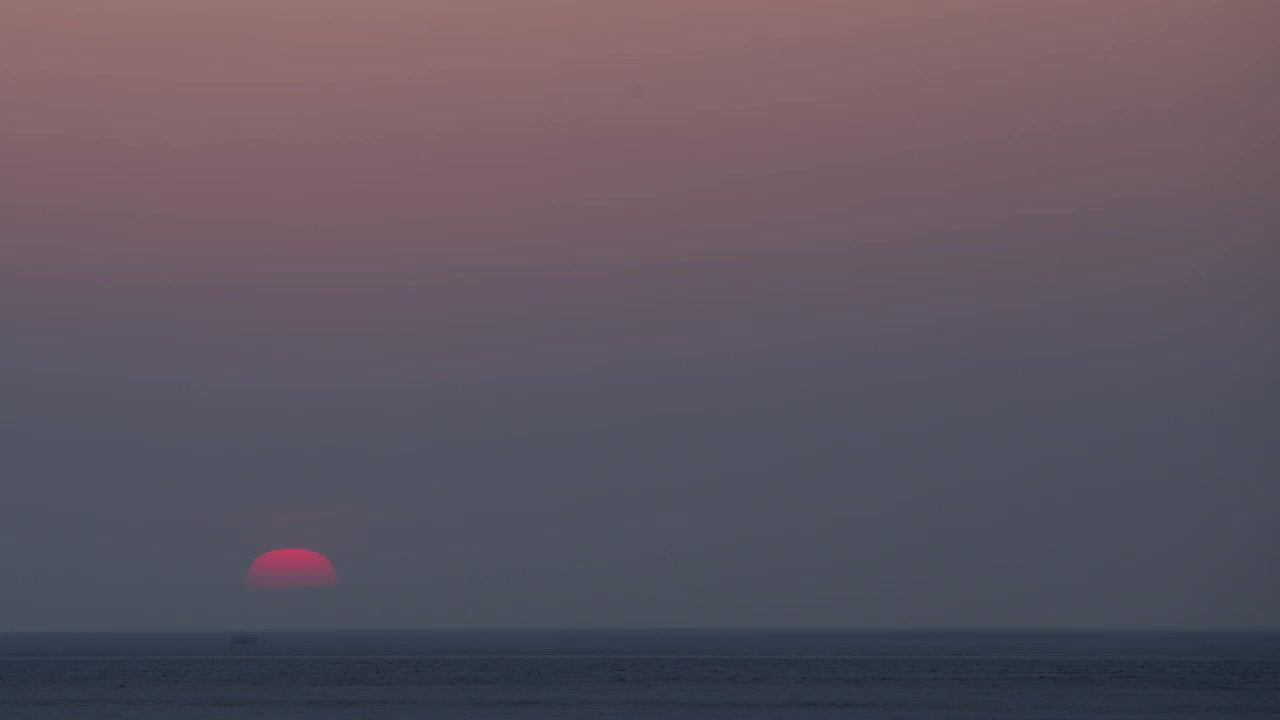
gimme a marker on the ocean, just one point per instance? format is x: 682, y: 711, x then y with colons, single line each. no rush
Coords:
x: 938, y: 675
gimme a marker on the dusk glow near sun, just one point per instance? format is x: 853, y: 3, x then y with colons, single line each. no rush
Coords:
x: 290, y: 568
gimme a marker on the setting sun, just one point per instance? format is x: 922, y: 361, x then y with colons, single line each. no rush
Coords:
x: 290, y: 568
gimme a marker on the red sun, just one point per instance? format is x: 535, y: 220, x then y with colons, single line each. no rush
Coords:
x: 291, y: 568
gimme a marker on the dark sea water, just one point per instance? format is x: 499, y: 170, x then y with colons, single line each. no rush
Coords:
x: 667, y: 674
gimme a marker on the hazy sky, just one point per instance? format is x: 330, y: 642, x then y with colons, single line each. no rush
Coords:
x: 640, y: 313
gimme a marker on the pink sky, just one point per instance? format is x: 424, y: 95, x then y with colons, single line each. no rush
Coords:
x: 363, y: 132
x: 495, y: 161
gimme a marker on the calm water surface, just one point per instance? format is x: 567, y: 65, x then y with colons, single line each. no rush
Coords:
x: 669, y: 674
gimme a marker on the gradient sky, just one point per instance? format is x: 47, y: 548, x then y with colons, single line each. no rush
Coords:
x: 641, y: 313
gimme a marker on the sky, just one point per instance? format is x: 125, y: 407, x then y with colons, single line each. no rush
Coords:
x: 647, y: 313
